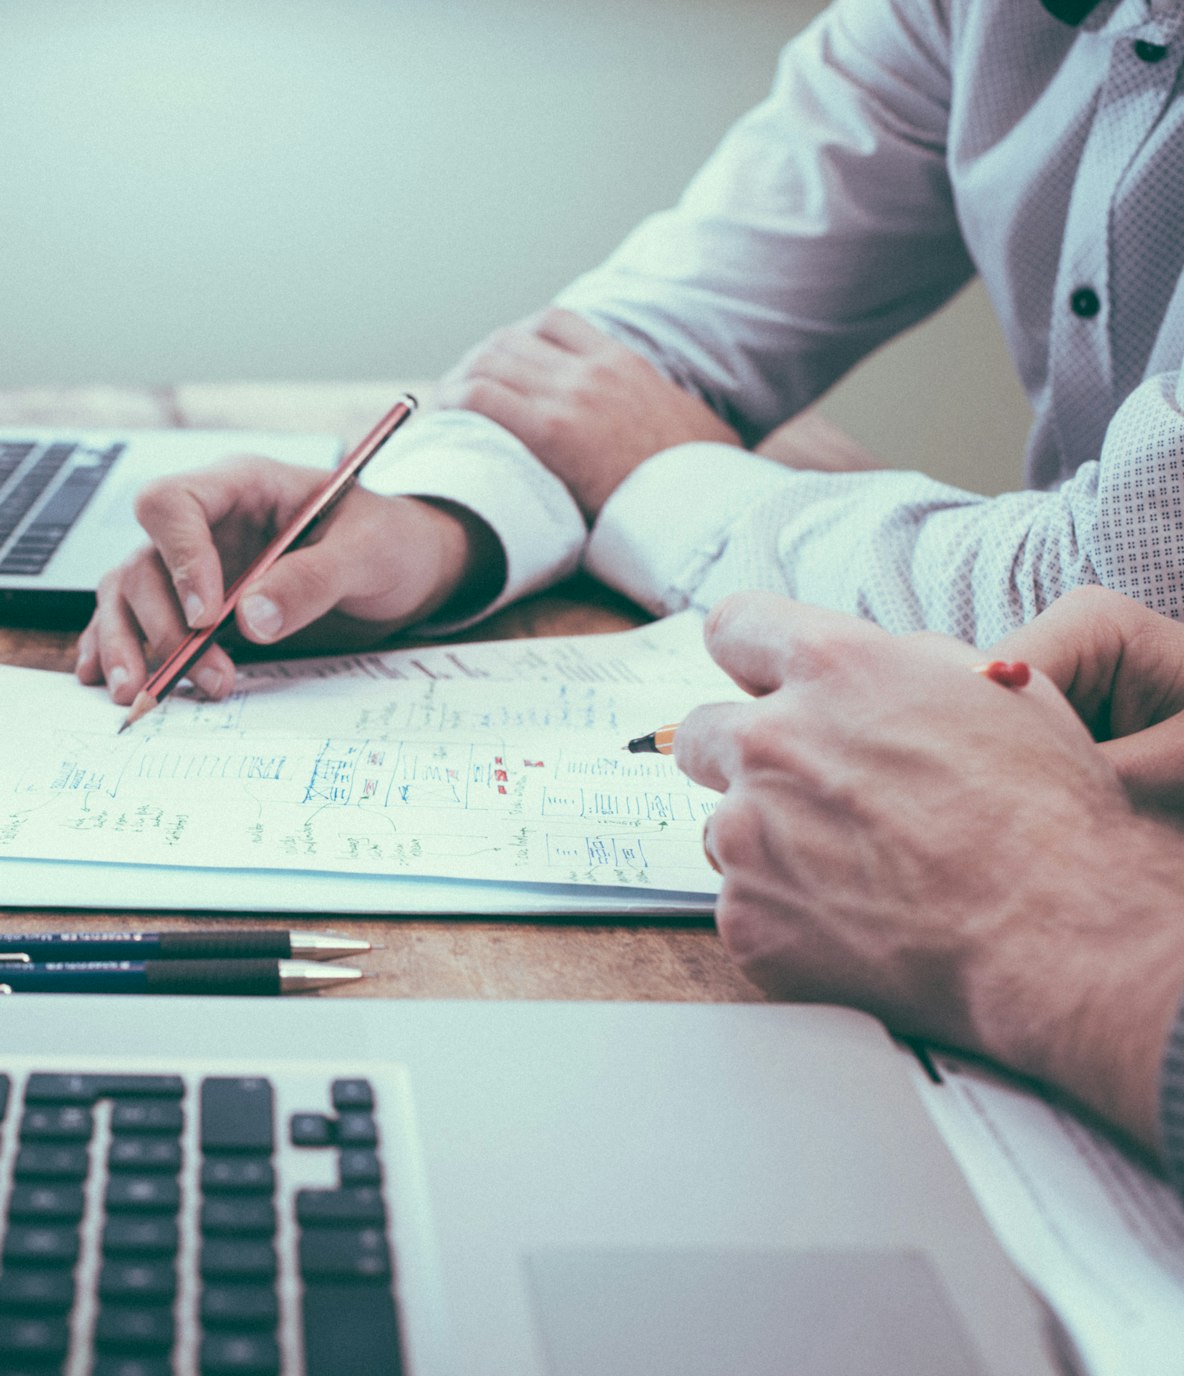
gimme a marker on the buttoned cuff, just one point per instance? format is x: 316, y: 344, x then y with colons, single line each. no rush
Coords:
x: 462, y: 457
x: 665, y: 526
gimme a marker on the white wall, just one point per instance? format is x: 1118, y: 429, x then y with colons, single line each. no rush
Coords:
x: 203, y: 190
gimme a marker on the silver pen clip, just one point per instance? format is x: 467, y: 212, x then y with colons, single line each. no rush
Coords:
x: 14, y: 958
x: 5, y: 989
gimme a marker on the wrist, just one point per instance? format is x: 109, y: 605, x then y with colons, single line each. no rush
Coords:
x: 471, y: 564
x: 1085, y: 999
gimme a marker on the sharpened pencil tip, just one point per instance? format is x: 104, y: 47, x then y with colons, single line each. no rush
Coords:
x: 143, y: 704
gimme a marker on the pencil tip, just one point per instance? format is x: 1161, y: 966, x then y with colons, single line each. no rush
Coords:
x: 143, y: 704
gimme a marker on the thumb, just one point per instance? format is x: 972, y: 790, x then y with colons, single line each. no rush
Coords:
x: 297, y: 590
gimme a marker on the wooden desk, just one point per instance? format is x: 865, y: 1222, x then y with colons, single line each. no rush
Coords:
x: 418, y: 958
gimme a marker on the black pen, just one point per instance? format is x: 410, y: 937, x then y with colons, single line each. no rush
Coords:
x: 171, y: 977
x: 227, y: 944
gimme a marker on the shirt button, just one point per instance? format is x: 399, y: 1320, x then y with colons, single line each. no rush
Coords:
x: 1149, y: 52
x: 1084, y: 302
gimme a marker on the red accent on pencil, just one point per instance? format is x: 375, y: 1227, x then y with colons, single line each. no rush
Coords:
x: 1009, y: 675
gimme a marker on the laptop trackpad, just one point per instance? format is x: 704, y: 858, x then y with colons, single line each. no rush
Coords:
x: 705, y: 1312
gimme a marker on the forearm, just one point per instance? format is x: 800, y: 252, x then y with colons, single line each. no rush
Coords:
x: 822, y: 226
x: 1081, y: 984
x: 896, y: 548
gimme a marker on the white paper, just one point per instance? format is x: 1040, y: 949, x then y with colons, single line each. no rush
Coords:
x: 1095, y: 1231
x: 500, y: 762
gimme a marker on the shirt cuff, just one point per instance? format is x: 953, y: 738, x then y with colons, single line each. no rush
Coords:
x: 462, y: 457
x: 664, y: 527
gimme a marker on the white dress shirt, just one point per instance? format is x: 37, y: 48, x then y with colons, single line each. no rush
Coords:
x: 905, y: 145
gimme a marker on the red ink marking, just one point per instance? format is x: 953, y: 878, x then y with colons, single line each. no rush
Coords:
x: 1009, y: 675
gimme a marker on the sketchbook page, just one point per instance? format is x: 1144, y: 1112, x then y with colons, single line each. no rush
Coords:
x: 1098, y: 1234
x: 493, y: 778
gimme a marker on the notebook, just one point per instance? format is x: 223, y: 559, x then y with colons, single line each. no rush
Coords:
x: 371, y: 1187
x: 66, y: 504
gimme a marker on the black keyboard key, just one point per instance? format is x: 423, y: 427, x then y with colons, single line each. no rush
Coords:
x: 344, y: 1253
x: 239, y: 1306
x: 129, y: 1235
x: 237, y: 1115
x: 337, y: 1207
x: 356, y: 1130
x: 311, y: 1130
x: 34, y: 1244
x: 66, y: 1123
x: 33, y: 1338
x: 134, y: 1328
x: 241, y: 1354
x: 352, y: 1094
x: 350, y: 1328
x: 149, y: 1115
x: 28, y: 1291
x: 35, y: 1161
x: 253, y: 1216
x: 249, y: 1259
x: 358, y: 1166
x: 124, y: 1365
x: 46, y: 1201
x: 138, y: 1281
x: 45, y: 1088
x: 250, y: 1175
x: 145, y: 1154
x: 159, y: 1194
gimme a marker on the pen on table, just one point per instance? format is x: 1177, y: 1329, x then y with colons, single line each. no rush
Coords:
x: 172, y: 977
x: 182, y: 945
x: 659, y: 742
x: 322, y: 501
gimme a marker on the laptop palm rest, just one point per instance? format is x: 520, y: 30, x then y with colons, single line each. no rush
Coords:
x: 705, y: 1312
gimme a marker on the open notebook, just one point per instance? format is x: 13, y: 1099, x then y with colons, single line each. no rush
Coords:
x: 484, y: 778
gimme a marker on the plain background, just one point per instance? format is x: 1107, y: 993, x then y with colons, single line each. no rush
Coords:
x: 207, y: 190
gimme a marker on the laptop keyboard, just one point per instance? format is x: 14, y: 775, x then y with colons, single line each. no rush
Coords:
x: 31, y: 474
x: 195, y: 1223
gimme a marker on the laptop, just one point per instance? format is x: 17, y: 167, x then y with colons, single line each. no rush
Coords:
x: 355, y: 1187
x: 66, y: 501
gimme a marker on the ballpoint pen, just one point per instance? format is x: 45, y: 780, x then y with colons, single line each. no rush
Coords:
x: 231, y: 944
x: 172, y: 977
x: 176, y: 665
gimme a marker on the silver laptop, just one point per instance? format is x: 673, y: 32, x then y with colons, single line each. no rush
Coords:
x: 353, y: 1187
x: 66, y: 504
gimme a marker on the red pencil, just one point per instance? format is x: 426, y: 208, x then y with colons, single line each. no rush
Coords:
x: 174, y: 668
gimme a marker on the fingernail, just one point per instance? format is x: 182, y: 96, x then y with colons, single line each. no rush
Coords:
x: 262, y: 616
x: 194, y: 607
x: 116, y: 678
x: 209, y: 681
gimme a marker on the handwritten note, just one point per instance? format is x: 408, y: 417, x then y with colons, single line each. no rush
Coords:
x: 499, y: 761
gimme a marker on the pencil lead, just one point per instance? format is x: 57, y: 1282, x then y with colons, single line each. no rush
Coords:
x: 143, y: 704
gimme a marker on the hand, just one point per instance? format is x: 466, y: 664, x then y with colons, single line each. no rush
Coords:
x: 901, y: 834
x: 1121, y: 665
x: 587, y: 407
x: 376, y: 564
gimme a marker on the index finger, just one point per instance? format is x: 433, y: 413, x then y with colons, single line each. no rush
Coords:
x: 762, y: 638
x: 179, y: 515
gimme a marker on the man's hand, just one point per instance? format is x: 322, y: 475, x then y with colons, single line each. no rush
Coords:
x: 377, y: 563
x: 587, y: 407
x: 1122, y: 667
x: 904, y: 835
